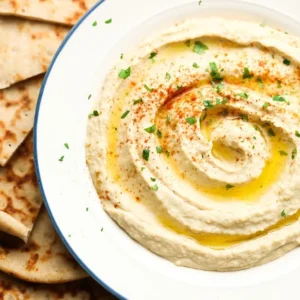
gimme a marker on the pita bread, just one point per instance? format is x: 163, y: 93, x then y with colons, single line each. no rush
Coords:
x: 14, y: 289
x: 65, y: 11
x: 26, y: 48
x: 43, y: 259
x: 17, y: 108
x: 20, y: 200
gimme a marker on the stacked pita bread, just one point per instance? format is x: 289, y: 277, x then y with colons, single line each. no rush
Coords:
x: 30, y: 250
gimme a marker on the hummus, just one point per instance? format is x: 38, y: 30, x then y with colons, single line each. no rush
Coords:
x: 192, y: 146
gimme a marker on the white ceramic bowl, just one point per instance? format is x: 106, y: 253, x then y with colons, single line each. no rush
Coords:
x: 100, y: 246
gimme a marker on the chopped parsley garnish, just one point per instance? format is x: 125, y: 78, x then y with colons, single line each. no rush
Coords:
x: 199, y: 47
x: 225, y: 100
x: 188, y: 43
x: 101, y: 229
x: 143, y: 168
x: 199, y: 3
x: 278, y: 98
x: 294, y: 152
x: 66, y: 145
x: 229, y: 186
x: 283, y: 153
x: 283, y: 214
x: 94, y: 114
x: 89, y: 97
x: 265, y: 105
x: 271, y: 132
x: 147, y: 88
x: 95, y: 23
x: 87, y: 209
x: 244, y: 117
x: 125, y: 114
x: 153, y: 179
x: 260, y: 82
x: 159, y: 149
x: 154, y: 187
x: 179, y: 87
x: 168, y: 119
x: 159, y: 134
x: 215, y: 75
x: 108, y: 21
x: 150, y: 129
x: 146, y: 154
x: 168, y: 76
x: 122, y: 55
x: 254, y: 137
x: 244, y: 95
x: 286, y: 61
x: 124, y: 73
x: 247, y: 73
x: 61, y: 158
x: 138, y: 101
x: 297, y: 133
x: 208, y: 104
x: 195, y: 65
x: 191, y: 120
x: 220, y: 87
x: 152, y: 54
x: 218, y: 101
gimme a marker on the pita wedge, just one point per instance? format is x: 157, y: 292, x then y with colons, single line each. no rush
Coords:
x: 14, y: 289
x: 17, y: 108
x: 26, y: 48
x: 20, y: 199
x: 42, y: 259
x: 62, y: 11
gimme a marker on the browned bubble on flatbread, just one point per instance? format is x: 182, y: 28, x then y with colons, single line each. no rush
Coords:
x: 26, y: 48
x: 65, y: 12
x: 20, y: 199
x: 42, y: 259
x: 17, y: 108
x: 14, y: 289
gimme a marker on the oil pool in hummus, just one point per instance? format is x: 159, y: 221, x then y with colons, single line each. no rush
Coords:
x: 192, y: 145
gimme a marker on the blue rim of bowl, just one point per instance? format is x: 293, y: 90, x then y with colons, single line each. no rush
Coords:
x: 36, y: 163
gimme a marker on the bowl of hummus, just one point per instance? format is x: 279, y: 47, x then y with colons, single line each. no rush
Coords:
x: 193, y: 144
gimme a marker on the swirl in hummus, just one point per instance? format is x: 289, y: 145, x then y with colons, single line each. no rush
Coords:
x: 193, y: 145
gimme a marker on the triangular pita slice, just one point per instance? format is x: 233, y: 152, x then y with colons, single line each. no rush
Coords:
x: 17, y: 108
x: 20, y: 199
x: 26, y: 48
x: 65, y: 11
x: 42, y: 259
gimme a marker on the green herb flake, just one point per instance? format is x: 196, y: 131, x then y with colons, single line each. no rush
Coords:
x: 122, y: 56
x: 89, y: 97
x: 283, y: 153
x: 168, y: 119
x: 278, y: 98
x: 271, y: 132
x: 265, y: 105
x: 294, y: 152
x: 159, y: 134
x: 199, y: 47
x: 152, y: 54
x: 146, y: 154
x: 108, y: 21
x: 125, y: 114
x: 260, y: 82
x: 94, y: 114
x: 199, y: 3
x: 69, y: 235
x: 61, y: 158
x: 254, y: 137
x: 125, y: 73
x: 87, y: 209
x: 244, y: 95
x: 220, y: 87
x: 153, y: 179
x: 66, y: 145
x: 167, y: 76
x: 195, y: 65
x: 150, y: 129
x: 179, y: 87
x: 283, y: 214
x: 101, y: 229
x: 208, y: 104
x: 215, y: 75
x: 247, y: 74
x: 94, y: 24
x: 191, y: 120
x: 244, y: 117
x: 297, y: 133
x: 225, y: 100
x: 218, y: 101
x: 147, y: 88
x: 138, y: 101
x: 159, y: 149
x: 154, y: 187
x: 143, y: 168
x: 286, y: 61
x: 188, y: 43
x: 229, y: 186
